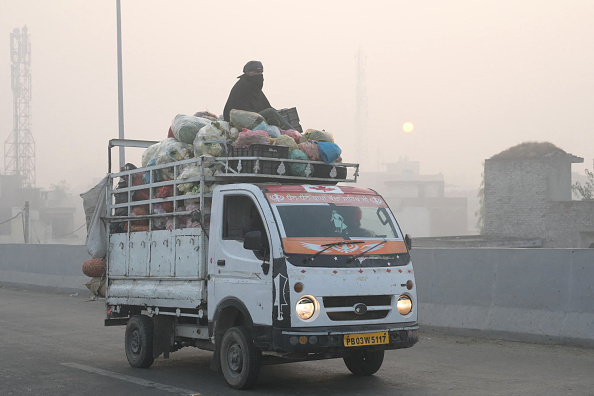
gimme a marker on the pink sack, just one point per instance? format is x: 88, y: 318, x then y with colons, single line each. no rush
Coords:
x: 311, y: 150
x: 292, y: 133
x: 246, y: 138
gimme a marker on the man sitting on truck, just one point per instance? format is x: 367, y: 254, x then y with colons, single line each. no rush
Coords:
x: 247, y: 95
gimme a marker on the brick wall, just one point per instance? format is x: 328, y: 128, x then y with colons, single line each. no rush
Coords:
x: 522, y: 200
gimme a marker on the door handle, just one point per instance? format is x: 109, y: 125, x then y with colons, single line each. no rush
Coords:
x: 265, y: 268
x: 221, y: 263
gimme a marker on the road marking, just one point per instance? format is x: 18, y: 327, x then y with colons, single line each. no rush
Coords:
x: 134, y: 380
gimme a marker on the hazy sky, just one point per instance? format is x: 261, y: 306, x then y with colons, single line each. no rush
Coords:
x: 475, y: 77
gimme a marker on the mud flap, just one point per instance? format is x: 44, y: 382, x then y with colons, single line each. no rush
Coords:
x: 215, y: 362
x: 162, y: 336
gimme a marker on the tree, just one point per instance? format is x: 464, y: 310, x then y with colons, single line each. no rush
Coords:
x: 586, y: 191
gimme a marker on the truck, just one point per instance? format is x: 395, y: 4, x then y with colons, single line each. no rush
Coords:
x: 256, y: 265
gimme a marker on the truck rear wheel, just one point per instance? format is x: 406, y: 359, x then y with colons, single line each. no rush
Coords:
x: 364, y: 362
x: 139, y: 341
x: 240, y: 359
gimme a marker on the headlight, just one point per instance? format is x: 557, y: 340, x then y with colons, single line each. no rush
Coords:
x: 404, y: 304
x: 306, y: 307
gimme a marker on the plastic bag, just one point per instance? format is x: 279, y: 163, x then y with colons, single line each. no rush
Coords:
x: 246, y: 138
x: 314, y: 134
x: 166, y: 151
x: 311, y: 150
x: 94, y: 200
x: 292, y: 133
x: 284, y: 140
x: 329, y: 152
x: 245, y: 119
x: 271, y: 130
x: 206, y: 114
x: 212, y: 139
x: 300, y: 169
x: 185, y: 127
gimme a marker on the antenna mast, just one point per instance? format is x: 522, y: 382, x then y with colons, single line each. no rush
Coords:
x: 19, y: 148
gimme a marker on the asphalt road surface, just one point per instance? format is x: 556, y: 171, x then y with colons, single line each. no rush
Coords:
x: 53, y: 344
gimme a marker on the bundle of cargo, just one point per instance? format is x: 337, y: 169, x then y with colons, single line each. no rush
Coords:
x: 202, y: 151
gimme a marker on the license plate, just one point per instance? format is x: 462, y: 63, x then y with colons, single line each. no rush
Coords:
x: 352, y: 340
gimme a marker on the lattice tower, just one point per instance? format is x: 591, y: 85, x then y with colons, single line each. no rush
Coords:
x: 19, y: 148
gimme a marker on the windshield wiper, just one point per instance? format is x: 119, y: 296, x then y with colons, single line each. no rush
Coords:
x: 353, y: 258
x: 328, y: 246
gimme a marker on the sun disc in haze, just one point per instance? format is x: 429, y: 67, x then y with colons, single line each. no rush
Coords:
x: 408, y: 127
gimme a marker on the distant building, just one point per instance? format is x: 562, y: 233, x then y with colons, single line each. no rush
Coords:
x: 528, y: 195
x: 418, y: 201
x: 50, y: 220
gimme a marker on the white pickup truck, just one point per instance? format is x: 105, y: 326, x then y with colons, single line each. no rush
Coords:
x: 267, y: 268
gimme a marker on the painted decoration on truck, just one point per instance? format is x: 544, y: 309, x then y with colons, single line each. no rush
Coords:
x: 313, y: 245
x: 281, y: 290
x: 334, y: 198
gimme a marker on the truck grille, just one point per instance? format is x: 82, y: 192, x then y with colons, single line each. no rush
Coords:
x: 342, y: 308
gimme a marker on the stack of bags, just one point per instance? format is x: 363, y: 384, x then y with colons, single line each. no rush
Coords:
x: 205, y: 134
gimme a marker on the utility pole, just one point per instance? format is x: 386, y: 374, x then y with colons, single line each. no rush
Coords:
x: 26, y: 222
x: 120, y: 84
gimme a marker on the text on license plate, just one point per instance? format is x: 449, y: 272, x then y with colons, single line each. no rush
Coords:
x: 351, y: 340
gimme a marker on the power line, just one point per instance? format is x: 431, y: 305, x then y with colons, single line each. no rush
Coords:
x: 72, y: 231
x: 12, y: 218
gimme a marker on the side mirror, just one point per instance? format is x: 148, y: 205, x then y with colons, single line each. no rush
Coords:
x: 408, y: 242
x: 253, y: 241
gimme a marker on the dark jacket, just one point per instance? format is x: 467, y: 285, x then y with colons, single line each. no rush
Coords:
x: 245, y: 95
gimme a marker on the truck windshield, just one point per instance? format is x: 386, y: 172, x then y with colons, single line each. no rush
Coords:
x: 331, y: 221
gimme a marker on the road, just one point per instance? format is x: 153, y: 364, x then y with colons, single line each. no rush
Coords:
x: 53, y: 344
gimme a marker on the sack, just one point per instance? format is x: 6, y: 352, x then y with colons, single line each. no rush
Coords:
x: 292, y: 133
x: 206, y: 114
x: 94, y: 267
x: 311, y: 150
x: 97, y: 286
x: 271, y: 130
x: 246, y: 138
x: 96, y: 237
x: 185, y: 127
x: 320, y: 136
x: 299, y: 169
x: 212, y: 140
x: 245, y: 119
x: 284, y: 140
x: 329, y: 152
x: 166, y: 151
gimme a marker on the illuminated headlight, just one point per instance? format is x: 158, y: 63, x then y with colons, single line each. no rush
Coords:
x: 404, y: 304
x: 306, y: 307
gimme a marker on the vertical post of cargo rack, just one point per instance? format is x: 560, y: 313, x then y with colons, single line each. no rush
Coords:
x: 107, y: 224
x: 203, y: 258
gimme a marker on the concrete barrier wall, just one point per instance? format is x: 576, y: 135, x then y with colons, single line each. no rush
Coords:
x: 534, y: 295
x: 55, y: 268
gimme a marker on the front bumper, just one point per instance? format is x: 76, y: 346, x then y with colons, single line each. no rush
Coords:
x: 326, y: 339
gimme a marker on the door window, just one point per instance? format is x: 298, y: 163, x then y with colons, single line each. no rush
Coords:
x: 241, y: 216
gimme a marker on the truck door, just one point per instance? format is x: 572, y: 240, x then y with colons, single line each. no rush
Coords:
x: 238, y: 275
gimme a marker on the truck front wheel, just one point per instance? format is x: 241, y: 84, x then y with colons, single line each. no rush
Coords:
x: 139, y: 341
x: 240, y: 359
x: 364, y: 361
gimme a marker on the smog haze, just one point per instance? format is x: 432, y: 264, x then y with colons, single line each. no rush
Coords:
x: 473, y: 78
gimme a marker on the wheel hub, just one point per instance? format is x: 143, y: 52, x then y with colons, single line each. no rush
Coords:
x: 235, y: 358
x: 135, y: 342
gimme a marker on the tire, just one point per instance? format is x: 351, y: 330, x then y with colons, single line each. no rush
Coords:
x: 240, y: 358
x: 363, y: 362
x: 139, y: 341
